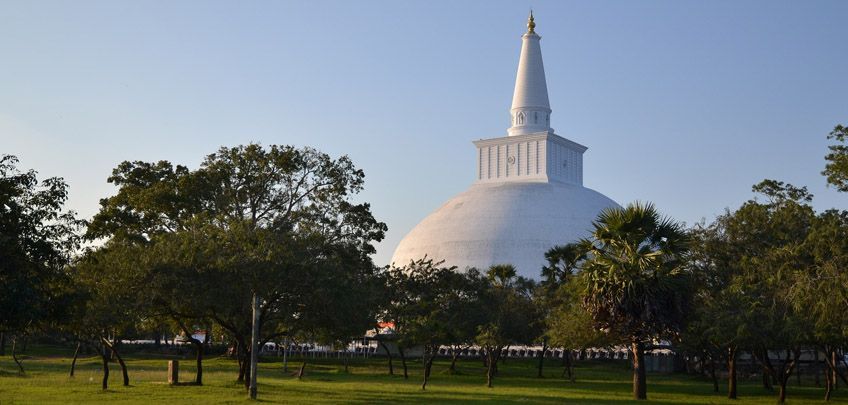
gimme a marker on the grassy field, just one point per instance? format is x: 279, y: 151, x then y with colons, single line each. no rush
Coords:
x: 46, y: 381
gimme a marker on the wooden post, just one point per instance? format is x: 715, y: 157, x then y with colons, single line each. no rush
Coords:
x: 173, y: 372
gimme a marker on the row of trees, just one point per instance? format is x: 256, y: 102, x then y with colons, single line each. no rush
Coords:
x: 266, y: 243
x: 259, y: 241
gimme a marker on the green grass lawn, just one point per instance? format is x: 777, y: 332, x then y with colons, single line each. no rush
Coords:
x: 46, y: 381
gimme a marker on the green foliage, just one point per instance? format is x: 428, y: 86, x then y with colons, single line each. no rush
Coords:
x: 37, y: 238
x: 638, y: 286
x: 567, y: 323
x: 512, y: 316
x: 274, y: 222
x: 836, y: 169
x: 820, y: 291
x: 570, y: 326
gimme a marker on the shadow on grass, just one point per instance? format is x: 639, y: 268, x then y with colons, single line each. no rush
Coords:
x: 13, y: 374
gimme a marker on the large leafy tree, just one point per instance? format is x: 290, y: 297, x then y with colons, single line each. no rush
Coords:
x: 465, y: 312
x: 567, y: 323
x: 432, y: 306
x: 717, y: 325
x: 108, y: 308
x: 37, y: 238
x: 440, y: 300
x: 772, y: 233
x: 821, y: 292
x: 513, y: 317
x: 637, y: 283
x: 247, y: 230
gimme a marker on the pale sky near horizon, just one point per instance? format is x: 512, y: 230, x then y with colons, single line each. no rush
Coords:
x: 683, y: 103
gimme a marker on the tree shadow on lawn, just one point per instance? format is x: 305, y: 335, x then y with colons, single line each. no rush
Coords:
x: 510, y: 386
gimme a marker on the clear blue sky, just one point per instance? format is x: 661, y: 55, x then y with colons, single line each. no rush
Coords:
x: 683, y: 103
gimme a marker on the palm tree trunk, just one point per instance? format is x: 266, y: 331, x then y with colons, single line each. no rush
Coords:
x: 640, y: 390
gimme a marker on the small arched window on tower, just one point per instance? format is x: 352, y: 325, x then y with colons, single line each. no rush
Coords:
x: 520, y: 118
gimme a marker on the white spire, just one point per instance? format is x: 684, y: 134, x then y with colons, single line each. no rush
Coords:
x: 531, y: 111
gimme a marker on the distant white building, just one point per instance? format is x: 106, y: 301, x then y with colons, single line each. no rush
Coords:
x: 528, y: 195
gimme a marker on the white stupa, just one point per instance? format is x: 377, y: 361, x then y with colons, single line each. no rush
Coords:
x: 528, y: 195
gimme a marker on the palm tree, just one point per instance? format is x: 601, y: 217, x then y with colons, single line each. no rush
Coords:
x: 637, y: 284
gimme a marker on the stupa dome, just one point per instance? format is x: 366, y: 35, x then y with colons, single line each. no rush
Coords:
x: 497, y: 223
x: 528, y: 195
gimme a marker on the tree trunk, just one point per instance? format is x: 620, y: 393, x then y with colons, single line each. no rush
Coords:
x: 713, y: 375
x: 301, y: 372
x: 541, y: 366
x: 254, y: 346
x: 454, y: 357
x: 241, y: 355
x: 247, y: 370
x: 429, y: 355
x: 198, y: 346
x: 786, y: 372
x: 389, y: 355
x: 14, y: 355
x: 198, y: 349
x: 104, y: 357
x: 242, y: 370
x: 491, y: 363
x: 767, y: 378
x: 731, y: 373
x: 117, y: 355
x: 403, y: 362
x: 640, y: 390
x: 2, y: 343
x: 346, y: 361
x: 568, y: 360
x: 828, y: 384
x: 781, y: 396
x: 74, y: 361
x: 816, y: 368
x: 286, y: 355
